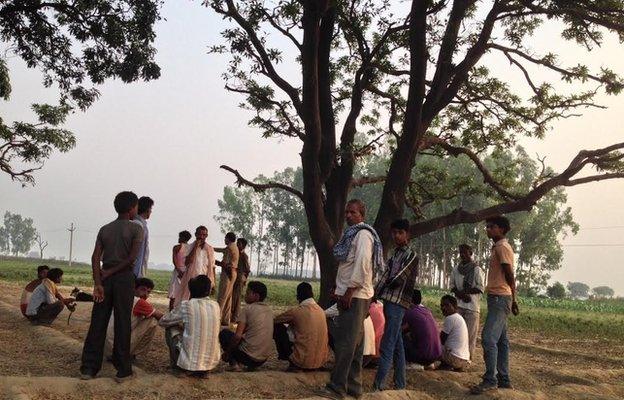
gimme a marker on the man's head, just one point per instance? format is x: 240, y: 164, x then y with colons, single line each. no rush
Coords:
x: 143, y: 287
x: 184, y: 237
x: 126, y: 203
x: 400, y: 232
x: 241, y: 243
x: 355, y: 212
x: 230, y: 237
x: 497, y: 227
x: 416, y: 297
x: 145, y: 207
x: 55, y: 275
x: 465, y: 253
x: 256, y: 291
x: 448, y: 305
x: 304, y: 291
x: 201, y: 233
x: 199, y: 287
x: 42, y: 271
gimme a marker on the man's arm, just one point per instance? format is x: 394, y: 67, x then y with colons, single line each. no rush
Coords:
x: 172, y: 318
x: 129, y: 261
x: 511, y: 281
x: 191, y: 256
x: 284, y: 317
x: 96, y: 258
x: 443, y: 337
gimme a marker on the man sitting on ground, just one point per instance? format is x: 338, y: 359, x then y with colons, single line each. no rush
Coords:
x: 143, y: 323
x: 46, y: 303
x: 421, y: 338
x: 251, y: 344
x: 192, y: 330
x: 42, y: 272
x: 307, y: 350
x: 454, y: 337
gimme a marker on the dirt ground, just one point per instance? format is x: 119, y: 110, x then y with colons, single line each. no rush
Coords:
x: 42, y: 363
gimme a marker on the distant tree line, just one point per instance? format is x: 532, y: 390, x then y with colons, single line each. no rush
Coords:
x: 275, y: 224
x: 18, y: 235
x: 578, y: 290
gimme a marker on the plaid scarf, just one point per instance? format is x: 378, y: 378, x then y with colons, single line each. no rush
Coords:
x: 341, y: 249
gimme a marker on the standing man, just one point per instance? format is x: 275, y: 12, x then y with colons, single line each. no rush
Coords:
x: 144, y: 213
x: 229, y: 266
x: 116, y: 249
x: 359, y: 254
x: 241, y: 277
x: 501, y: 300
x: 200, y: 260
x: 467, y: 285
x: 395, y: 288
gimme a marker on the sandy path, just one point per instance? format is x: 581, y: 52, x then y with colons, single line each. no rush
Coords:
x: 42, y: 363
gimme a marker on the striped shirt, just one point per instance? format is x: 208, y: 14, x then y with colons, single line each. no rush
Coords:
x: 199, y: 347
x: 396, y: 283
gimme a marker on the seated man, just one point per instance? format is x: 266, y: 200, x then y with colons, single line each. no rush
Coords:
x: 42, y: 272
x: 143, y: 323
x: 454, y: 337
x: 192, y: 330
x: 46, y: 303
x: 307, y: 350
x: 420, y: 335
x: 251, y: 344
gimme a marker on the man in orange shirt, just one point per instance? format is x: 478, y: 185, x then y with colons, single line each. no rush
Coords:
x: 501, y: 300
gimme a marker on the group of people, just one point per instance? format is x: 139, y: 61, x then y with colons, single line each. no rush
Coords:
x: 377, y: 316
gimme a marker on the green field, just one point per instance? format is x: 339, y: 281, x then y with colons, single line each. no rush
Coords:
x: 560, y: 318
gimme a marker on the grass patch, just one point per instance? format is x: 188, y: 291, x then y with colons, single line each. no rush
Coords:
x: 590, y: 319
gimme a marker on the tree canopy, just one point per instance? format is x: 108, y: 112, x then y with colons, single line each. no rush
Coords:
x: 17, y: 234
x: 281, y: 229
x: 414, y: 78
x: 76, y: 45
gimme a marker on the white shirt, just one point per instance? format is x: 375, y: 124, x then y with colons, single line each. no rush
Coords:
x: 357, y: 270
x: 457, y: 341
x: 458, y: 282
x: 199, y: 347
x: 42, y: 294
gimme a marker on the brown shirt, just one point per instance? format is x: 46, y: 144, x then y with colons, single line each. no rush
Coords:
x: 258, y: 335
x: 116, y: 240
x: 502, y: 253
x: 309, y: 324
x: 230, y: 255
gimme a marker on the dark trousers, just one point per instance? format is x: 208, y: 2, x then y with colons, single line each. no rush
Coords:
x: 412, y: 355
x: 239, y: 356
x: 282, y: 342
x: 118, y: 296
x: 237, y: 293
x: 346, y: 377
x: 46, y: 313
x: 172, y: 343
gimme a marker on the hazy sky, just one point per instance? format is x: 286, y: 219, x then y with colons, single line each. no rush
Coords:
x: 167, y: 138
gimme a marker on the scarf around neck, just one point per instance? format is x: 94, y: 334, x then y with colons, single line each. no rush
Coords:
x: 341, y: 249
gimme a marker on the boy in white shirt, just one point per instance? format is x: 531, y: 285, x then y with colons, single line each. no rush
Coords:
x: 454, y: 337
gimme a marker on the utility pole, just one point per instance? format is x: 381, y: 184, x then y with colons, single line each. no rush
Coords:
x: 71, y: 230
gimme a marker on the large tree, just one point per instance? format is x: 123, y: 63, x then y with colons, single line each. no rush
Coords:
x: 19, y: 233
x: 416, y: 78
x: 75, y: 44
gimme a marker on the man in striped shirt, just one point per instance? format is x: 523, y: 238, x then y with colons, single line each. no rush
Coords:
x: 192, y: 332
x: 395, y: 288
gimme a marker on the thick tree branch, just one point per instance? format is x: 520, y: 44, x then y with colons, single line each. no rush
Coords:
x: 526, y: 203
x: 261, y: 187
x: 487, y: 175
x: 259, y: 46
